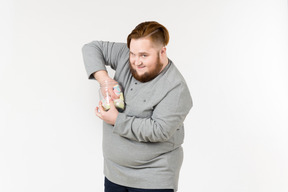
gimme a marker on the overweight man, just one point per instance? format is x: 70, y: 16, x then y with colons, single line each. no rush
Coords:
x: 142, y: 143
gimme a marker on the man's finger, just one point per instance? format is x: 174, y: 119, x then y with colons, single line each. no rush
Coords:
x: 113, y: 94
x: 100, y: 108
x: 112, y: 104
x: 98, y: 113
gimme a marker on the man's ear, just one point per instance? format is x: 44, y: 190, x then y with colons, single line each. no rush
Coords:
x: 163, y: 50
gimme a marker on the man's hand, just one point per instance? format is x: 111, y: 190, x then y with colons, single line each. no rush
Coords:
x: 109, y: 116
x: 102, y: 77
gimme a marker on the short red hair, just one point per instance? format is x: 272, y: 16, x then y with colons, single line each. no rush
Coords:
x: 155, y: 31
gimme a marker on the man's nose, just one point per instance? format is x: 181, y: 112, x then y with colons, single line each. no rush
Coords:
x: 138, y: 61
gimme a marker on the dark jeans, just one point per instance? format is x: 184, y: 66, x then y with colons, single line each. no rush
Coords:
x: 112, y: 187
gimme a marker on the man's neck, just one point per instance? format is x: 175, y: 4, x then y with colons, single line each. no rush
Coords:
x: 165, y: 63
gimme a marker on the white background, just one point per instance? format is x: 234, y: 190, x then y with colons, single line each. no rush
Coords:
x: 232, y: 53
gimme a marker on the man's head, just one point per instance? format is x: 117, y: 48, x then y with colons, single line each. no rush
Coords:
x: 147, y: 50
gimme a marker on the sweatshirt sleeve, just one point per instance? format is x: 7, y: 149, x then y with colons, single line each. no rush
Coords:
x: 167, y: 117
x: 99, y: 54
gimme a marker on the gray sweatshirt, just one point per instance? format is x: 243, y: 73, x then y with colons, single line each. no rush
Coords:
x: 143, y: 148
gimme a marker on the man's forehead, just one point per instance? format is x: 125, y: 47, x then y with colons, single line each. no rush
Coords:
x: 142, y: 45
x: 140, y: 49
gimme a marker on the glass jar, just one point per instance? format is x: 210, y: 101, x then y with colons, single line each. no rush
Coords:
x: 111, y: 90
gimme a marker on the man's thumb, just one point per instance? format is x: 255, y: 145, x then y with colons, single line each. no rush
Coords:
x: 111, y: 103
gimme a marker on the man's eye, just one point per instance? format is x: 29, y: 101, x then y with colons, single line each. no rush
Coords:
x: 144, y: 55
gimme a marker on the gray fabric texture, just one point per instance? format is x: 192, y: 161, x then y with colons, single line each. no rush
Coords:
x: 143, y: 149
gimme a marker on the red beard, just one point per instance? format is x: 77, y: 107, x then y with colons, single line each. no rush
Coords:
x: 147, y: 76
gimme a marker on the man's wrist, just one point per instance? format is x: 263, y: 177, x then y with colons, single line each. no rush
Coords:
x: 101, y: 76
